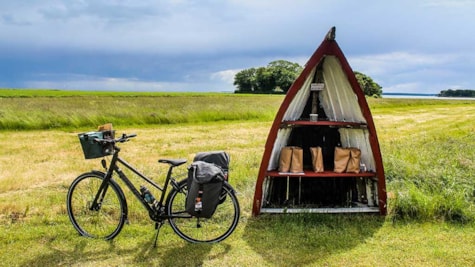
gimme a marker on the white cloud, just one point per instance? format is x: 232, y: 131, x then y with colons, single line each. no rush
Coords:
x: 405, y: 88
x: 226, y: 76
x: 395, y: 62
x: 410, y: 72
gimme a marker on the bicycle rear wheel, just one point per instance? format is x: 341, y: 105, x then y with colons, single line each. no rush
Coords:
x: 203, y: 230
x: 104, y: 221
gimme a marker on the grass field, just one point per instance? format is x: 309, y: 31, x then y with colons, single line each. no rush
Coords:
x: 44, y: 109
x: 428, y: 150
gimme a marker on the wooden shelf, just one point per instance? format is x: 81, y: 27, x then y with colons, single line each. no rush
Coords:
x: 322, y: 123
x: 325, y: 174
x: 321, y: 210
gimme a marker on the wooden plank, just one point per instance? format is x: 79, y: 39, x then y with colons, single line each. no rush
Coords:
x: 325, y: 174
x: 321, y: 210
x: 324, y: 123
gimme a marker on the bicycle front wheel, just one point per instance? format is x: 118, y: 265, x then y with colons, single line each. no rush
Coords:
x: 203, y: 230
x: 103, y: 220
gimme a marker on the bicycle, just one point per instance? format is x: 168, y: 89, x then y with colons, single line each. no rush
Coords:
x: 97, y: 206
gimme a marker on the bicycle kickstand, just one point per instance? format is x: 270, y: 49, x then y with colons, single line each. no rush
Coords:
x: 158, y: 225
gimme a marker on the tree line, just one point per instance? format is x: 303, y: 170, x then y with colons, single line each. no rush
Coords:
x: 457, y: 93
x: 278, y: 76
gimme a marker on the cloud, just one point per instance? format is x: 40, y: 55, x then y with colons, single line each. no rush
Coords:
x: 82, y: 82
x: 225, y: 75
x: 404, y: 88
x: 395, y: 62
x: 220, y: 81
x: 8, y: 19
x: 156, y: 27
x: 410, y: 72
x: 201, y: 44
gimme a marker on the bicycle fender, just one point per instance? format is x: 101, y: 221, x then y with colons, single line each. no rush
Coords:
x: 98, y: 172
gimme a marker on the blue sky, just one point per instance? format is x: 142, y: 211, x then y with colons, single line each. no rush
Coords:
x: 414, y: 46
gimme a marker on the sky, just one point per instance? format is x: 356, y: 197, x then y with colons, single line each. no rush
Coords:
x: 406, y: 46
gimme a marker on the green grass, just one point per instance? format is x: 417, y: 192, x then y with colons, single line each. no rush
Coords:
x: 46, y: 109
x: 429, y: 155
x: 28, y: 93
x: 428, y: 151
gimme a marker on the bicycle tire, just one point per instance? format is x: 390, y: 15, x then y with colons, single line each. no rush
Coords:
x: 107, y: 221
x: 202, y: 230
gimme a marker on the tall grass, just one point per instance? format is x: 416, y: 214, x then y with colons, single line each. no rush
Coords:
x: 429, y: 155
x: 57, y: 109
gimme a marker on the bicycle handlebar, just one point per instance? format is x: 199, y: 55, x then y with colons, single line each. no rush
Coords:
x: 122, y: 139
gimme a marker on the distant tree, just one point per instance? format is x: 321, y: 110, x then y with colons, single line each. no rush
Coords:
x: 369, y: 87
x: 245, y: 80
x: 457, y: 93
x: 284, y: 73
x: 278, y: 74
x: 265, y: 81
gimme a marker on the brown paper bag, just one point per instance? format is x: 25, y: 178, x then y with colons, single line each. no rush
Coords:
x: 317, y: 159
x: 285, y: 159
x: 297, y: 160
x: 354, y: 161
x: 105, y: 127
x: 342, y: 156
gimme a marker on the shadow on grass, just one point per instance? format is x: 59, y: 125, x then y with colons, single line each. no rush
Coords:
x: 301, y: 239
x: 88, y: 251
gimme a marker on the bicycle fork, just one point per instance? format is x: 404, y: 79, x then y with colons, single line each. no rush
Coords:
x: 97, y: 202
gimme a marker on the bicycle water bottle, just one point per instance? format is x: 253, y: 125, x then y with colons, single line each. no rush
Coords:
x: 147, y: 195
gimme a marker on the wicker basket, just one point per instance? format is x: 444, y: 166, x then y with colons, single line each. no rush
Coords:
x: 93, y: 149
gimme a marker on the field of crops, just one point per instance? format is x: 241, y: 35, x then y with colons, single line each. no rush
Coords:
x: 428, y: 149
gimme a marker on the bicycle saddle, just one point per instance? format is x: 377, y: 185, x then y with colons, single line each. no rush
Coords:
x: 173, y: 162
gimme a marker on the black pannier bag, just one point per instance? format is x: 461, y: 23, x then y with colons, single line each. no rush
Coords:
x: 206, y: 176
x: 219, y: 158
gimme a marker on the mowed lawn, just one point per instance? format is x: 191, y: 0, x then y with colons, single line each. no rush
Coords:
x: 416, y: 137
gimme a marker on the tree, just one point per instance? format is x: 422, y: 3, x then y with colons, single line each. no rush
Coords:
x: 245, y: 80
x: 457, y: 93
x: 278, y: 74
x: 284, y: 73
x: 369, y: 87
x: 281, y: 74
x: 265, y: 81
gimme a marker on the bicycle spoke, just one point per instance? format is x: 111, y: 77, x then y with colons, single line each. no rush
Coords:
x: 105, y: 220
x: 193, y: 229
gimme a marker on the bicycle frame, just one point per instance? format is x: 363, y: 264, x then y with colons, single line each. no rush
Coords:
x: 104, y: 213
x: 155, y: 214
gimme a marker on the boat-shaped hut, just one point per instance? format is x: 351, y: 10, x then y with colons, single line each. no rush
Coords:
x: 323, y: 119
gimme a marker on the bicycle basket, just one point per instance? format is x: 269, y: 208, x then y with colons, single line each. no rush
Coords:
x: 93, y: 149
